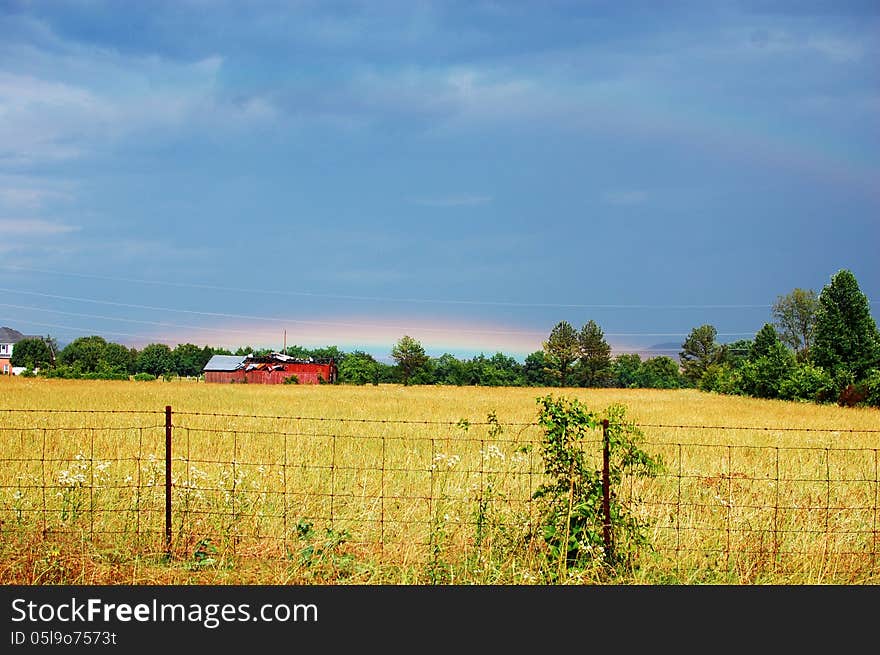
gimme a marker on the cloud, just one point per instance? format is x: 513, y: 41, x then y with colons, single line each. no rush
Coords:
x: 17, y: 196
x: 73, y: 102
x: 35, y: 227
x: 835, y: 48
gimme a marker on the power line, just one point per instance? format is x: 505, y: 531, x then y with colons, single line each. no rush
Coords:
x: 154, y: 339
x: 311, y: 294
x: 79, y: 330
x: 285, y: 321
x: 226, y: 330
x: 126, y: 320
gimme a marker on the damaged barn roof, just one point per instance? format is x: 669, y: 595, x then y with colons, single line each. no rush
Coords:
x: 225, y: 363
x: 271, y: 362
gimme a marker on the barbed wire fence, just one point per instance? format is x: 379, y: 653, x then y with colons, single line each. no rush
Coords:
x: 199, y: 486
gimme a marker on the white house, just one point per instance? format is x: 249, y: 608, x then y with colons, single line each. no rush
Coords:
x: 8, y: 339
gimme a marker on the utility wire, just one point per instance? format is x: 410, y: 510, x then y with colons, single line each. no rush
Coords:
x: 492, y: 303
x: 198, y: 327
x: 286, y: 321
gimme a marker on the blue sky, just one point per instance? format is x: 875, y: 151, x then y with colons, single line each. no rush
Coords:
x: 466, y: 173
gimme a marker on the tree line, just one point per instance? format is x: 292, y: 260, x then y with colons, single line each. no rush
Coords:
x: 820, y: 348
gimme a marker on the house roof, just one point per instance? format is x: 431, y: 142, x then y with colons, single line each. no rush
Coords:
x: 8, y: 335
x: 225, y: 363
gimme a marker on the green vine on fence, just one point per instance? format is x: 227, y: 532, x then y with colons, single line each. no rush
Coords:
x: 573, y: 523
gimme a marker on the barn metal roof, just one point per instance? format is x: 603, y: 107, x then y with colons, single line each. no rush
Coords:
x: 225, y: 363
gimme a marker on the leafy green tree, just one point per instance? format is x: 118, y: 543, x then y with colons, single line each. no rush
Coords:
x: 659, y: 372
x: 205, y: 356
x: 32, y: 352
x: 496, y: 371
x: 83, y: 354
x: 722, y: 378
x: 795, y: 315
x: 188, y: 360
x: 328, y: 352
x: 424, y: 374
x: 699, y: 351
x: 625, y: 370
x: 409, y: 356
x: 510, y: 370
x: 807, y: 382
x: 450, y: 370
x: 846, y: 340
x: 535, y: 370
x: 117, y: 358
x: 872, y: 388
x: 297, y: 352
x: 358, y: 367
x: 156, y: 359
x: 595, y: 356
x: 561, y: 351
x: 763, y: 376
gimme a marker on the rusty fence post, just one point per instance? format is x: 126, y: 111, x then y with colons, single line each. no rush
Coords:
x: 168, y: 481
x: 606, y: 489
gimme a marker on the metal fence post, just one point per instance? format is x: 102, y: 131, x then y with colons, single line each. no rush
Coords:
x: 606, y: 489
x: 168, y: 481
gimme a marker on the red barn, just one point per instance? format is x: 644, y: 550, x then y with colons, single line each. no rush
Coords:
x: 268, y: 369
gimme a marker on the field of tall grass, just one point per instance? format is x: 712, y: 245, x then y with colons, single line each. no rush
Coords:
x: 411, y: 485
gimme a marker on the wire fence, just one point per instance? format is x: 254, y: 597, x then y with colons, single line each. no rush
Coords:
x: 198, y: 484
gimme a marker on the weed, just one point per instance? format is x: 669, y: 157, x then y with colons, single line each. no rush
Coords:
x: 580, y: 538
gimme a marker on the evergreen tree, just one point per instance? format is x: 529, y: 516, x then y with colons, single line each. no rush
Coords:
x: 595, y: 356
x: 847, y: 342
x: 699, y: 352
x: 765, y: 341
x: 561, y: 351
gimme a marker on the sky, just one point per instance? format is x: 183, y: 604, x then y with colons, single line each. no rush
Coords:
x: 466, y: 173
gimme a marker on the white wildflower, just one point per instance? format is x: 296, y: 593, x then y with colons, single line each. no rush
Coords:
x: 492, y: 452
x: 442, y: 460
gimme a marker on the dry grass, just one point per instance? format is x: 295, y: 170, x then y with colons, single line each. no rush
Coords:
x: 384, y: 486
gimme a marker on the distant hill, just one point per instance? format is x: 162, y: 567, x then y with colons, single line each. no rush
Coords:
x: 669, y: 349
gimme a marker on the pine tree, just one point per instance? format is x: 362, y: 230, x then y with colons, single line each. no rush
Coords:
x: 846, y: 341
x: 699, y: 352
x: 765, y: 341
x: 561, y: 351
x: 595, y: 356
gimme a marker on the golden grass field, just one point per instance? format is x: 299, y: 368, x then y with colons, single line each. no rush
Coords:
x: 384, y: 484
